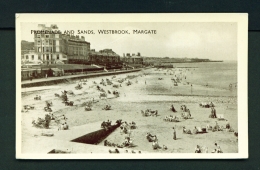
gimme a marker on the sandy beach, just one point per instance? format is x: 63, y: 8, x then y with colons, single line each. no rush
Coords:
x: 146, y: 92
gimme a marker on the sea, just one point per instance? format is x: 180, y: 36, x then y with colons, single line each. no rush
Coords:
x: 213, y: 74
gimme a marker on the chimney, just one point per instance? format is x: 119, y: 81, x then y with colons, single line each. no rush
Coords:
x: 41, y: 26
x: 82, y: 38
x: 54, y: 26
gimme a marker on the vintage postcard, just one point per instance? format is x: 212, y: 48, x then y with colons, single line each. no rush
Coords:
x: 131, y: 86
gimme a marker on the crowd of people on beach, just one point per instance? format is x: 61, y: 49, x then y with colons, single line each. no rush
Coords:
x: 126, y: 128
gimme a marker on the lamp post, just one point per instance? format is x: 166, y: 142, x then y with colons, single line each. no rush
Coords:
x: 82, y: 67
x: 83, y: 59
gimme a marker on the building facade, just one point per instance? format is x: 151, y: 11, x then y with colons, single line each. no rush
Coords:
x: 104, y: 57
x: 77, y: 49
x: 31, y: 56
x: 52, y: 48
x: 49, y: 48
x: 55, y: 48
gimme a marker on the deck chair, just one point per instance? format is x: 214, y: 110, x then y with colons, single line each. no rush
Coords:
x: 220, y: 117
x: 201, y: 130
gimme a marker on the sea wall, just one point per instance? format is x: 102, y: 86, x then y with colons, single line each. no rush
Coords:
x: 66, y: 79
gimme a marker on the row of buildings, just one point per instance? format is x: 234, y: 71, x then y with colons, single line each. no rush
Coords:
x: 61, y: 48
x: 132, y: 59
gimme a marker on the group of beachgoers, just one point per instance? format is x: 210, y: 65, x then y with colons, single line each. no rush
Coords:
x: 126, y: 128
x: 203, y: 149
x: 63, y: 126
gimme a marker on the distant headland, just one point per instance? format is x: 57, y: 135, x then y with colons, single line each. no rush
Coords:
x: 177, y: 60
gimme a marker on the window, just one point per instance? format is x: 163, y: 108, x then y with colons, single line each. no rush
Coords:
x: 32, y: 57
x: 57, y: 42
x: 47, y: 36
x: 39, y: 42
x: 50, y: 42
x: 38, y: 35
x: 58, y: 57
x: 26, y: 56
x: 47, y: 57
x: 39, y: 57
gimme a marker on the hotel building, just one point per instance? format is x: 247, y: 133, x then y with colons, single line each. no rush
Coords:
x: 55, y: 48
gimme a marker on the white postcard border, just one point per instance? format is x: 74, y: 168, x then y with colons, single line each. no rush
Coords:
x: 242, y: 54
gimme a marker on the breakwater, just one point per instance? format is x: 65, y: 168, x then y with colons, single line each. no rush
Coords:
x: 97, y: 136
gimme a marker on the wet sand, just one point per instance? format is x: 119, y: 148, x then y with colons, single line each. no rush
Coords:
x: 154, y: 94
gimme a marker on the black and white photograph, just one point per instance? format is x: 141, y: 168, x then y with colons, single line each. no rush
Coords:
x: 131, y: 86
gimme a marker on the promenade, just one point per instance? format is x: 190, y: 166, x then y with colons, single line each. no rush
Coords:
x: 56, y: 80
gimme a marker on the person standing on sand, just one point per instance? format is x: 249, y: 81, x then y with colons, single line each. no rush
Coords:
x: 214, y: 113
x: 174, y: 134
x: 65, y: 126
x: 218, y: 149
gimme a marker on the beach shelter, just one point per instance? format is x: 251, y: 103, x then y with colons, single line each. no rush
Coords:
x: 56, y: 72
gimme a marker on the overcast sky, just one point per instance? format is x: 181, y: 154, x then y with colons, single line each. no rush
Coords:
x: 216, y: 41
